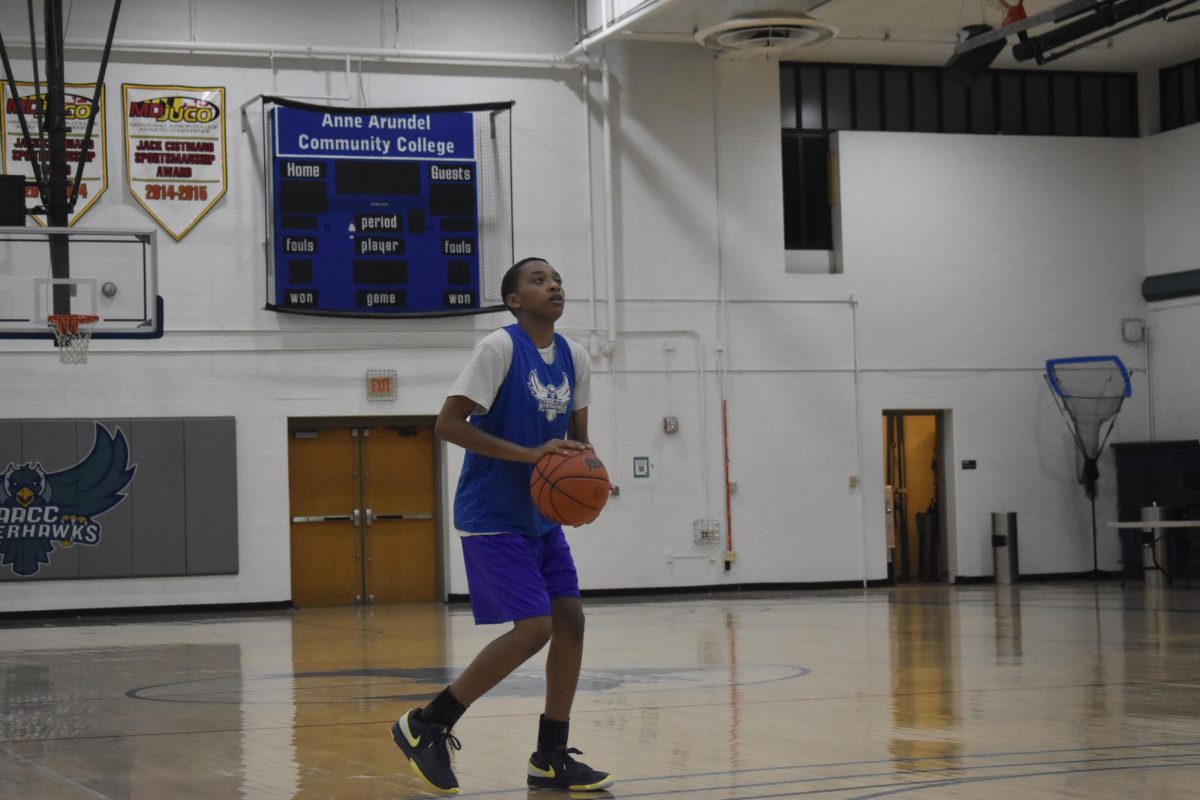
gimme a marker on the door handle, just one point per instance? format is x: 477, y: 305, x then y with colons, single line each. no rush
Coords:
x: 370, y: 517
x: 328, y: 518
x: 402, y: 516
x: 354, y: 517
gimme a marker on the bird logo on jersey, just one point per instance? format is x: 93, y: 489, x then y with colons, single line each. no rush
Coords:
x: 552, y: 400
x: 40, y: 509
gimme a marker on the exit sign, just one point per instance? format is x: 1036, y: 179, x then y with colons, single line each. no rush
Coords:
x: 381, y: 384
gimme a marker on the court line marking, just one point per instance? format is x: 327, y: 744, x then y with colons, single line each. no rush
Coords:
x: 629, y: 687
x: 891, y: 761
x: 959, y: 782
x: 55, y: 775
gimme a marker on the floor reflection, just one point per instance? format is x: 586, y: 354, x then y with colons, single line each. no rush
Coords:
x: 344, y: 670
x: 1071, y: 690
x: 925, y: 683
x: 1007, y: 611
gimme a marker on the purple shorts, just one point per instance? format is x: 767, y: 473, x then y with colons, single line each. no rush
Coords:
x: 511, y: 576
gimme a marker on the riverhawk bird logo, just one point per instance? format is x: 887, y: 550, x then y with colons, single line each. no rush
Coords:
x: 40, y: 509
x: 552, y: 400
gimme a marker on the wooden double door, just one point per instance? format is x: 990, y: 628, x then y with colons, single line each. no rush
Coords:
x: 363, y: 514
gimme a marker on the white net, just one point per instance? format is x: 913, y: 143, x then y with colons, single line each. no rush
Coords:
x: 72, y: 334
x: 1091, y: 391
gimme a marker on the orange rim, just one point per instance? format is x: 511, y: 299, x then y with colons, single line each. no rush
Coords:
x: 69, y: 324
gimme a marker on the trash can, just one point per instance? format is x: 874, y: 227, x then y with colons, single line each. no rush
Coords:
x: 1004, y: 547
x: 1154, y: 548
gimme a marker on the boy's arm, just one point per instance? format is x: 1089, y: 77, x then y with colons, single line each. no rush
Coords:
x: 577, y: 429
x: 452, y: 426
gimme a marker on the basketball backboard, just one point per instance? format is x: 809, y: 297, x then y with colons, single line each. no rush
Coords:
x: 113, y: 274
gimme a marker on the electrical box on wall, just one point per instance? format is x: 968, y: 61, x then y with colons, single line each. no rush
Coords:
x: 670, y: 424
x: 706, y: 531
x: 641, y: 466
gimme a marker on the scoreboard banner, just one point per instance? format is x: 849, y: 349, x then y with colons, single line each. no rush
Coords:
x: 78, y: 109
x: 175, y: 163
x: 387, y: 212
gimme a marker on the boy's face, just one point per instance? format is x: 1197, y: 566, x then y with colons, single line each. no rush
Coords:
x: 539, y: 292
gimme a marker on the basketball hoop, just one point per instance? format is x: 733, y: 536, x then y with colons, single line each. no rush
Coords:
x: 1013, y: 12
x: 72, y: 332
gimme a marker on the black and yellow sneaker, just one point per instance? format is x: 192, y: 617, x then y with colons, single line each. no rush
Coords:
x: 555, y: 769
x: 427, y: 746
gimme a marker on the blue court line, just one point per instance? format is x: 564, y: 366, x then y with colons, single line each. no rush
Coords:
x: 985, y: 602
x: 891, y: 761
x: 892, y: 790
x: 893, y: 774
x: 960, y: 781
x: 982, y: 601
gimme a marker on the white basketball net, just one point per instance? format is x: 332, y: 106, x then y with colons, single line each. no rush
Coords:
x: 72, y: 334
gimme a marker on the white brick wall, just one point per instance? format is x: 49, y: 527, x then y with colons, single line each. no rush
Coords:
x: 971, y: 259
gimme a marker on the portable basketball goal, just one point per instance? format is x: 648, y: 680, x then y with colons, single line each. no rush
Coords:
x: 1089, y: 392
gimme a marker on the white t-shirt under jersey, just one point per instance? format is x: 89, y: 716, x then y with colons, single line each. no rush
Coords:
x: 481, y: 378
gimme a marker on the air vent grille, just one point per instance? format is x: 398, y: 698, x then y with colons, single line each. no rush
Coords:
x: 763, y: 36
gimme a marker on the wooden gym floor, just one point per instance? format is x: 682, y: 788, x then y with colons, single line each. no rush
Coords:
x: 1043, y: 691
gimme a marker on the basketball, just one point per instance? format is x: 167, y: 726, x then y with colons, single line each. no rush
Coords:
x: 570, y: 490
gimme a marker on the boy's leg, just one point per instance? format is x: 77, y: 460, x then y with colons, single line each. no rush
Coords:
x: 552, y: 765
x: 424, y: 734
x: 500, y: 657
x: 505, y: 583
x: 565, y: 656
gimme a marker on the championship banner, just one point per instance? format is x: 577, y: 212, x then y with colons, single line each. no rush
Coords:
x: 175, y: 152
x: 78, y: 107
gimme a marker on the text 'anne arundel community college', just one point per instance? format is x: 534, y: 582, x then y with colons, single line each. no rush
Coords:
x: 405, y: 144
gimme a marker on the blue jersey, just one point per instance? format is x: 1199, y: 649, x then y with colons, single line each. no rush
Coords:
x: 532, y: 405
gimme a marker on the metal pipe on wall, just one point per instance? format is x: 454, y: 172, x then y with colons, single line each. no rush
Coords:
x: 250, y: 50
x: 610, y: 206
x: 613, y: 25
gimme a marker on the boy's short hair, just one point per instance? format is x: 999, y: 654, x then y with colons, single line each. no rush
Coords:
x: 508, y: 284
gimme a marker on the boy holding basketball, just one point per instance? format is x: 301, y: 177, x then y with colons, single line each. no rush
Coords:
x: 523, y: 394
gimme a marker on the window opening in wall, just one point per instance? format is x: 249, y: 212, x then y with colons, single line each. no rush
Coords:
x: 1179, y: 95
x: 818, y: 99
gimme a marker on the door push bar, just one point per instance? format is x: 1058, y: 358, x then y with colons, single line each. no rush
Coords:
x: 357, y: 514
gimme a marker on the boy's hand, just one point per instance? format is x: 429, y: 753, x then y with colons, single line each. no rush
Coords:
x: 563, y: 447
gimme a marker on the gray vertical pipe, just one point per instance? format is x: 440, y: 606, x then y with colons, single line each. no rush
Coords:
x: 56, y: 134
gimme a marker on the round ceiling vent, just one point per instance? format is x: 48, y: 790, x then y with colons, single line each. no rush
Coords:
x: 765, y: 36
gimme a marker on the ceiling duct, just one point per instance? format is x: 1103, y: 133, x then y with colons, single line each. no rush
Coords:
x: 765, y: 35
